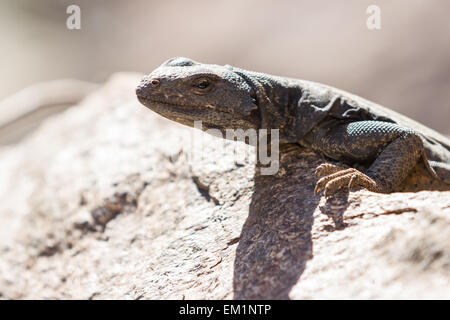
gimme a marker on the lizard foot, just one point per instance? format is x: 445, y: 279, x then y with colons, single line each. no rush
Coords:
x: 337, y: 177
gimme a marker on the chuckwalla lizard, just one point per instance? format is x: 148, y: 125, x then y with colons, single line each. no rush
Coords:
x: 332, y: 122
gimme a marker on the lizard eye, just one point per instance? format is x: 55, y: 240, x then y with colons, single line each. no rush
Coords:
x: 202, y: 84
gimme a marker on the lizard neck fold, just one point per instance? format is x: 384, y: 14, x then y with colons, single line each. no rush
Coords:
x: 276, y: 97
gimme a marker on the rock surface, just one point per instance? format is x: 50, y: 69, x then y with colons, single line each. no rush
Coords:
x: 103, y: 201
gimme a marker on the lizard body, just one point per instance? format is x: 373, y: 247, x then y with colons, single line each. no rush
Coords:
x: 332, y: 122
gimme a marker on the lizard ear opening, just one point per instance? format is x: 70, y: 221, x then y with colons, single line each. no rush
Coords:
x: 249, y: 107
x: 254, y: 98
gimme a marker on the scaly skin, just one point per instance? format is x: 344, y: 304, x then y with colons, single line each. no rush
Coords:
x: 332, y: 122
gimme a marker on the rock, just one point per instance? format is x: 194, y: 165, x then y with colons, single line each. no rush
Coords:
x: 109, y: 200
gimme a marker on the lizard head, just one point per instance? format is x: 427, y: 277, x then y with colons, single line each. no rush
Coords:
x: 185, y: 91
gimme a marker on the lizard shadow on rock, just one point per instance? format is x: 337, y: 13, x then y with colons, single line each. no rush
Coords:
x: 276, y: 239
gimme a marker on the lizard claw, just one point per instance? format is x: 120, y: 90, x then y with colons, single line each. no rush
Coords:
x: 327, y: 168
x: 317, y: 189
x: 338, y: 177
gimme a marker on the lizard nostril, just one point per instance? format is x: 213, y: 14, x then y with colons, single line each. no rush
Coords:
x: 139, y: 90
x: 155, y: 82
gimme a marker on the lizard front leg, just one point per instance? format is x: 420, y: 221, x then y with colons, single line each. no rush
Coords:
x: 394, y: 150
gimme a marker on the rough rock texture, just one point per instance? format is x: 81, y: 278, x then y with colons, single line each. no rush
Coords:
x: 102, y: 202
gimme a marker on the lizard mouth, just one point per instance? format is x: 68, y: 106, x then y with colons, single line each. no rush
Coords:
x: 156, y: 104
x: 187, y: 114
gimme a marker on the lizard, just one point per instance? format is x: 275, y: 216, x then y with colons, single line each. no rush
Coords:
x: 334, y: 123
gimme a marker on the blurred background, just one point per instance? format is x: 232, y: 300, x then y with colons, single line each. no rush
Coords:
x: 404, y: 66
